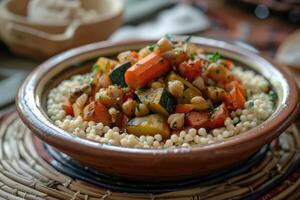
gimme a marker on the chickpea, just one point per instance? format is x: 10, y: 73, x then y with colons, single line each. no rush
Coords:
x: 176, y: 121
x: 128, y: 107
x: 175, y: 56
x: 164, y: 44
x: 217, y: 72
x: 215, y: 94
x: 115, y: 93
x: 104, y: 98
x: 104, y: 81
x: 75, y: 94
x: 110, y: 96
x: 124, y: 57
x: 113, y: 113
x: 127, y: 56
x: 199, y: 83
x: 176, y: 88
x: 86, y: 88
x: 191, y: 49
x: 156, y: 85
x: 141, y: 110
x: 199, y: 103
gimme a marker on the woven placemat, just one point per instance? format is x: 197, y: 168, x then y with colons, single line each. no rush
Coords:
x: 75, y: 169
x: 24, y: 174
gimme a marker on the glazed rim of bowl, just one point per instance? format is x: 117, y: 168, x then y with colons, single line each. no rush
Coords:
x: 32, y: 111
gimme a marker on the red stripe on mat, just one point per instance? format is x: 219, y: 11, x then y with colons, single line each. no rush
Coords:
x: 41, y: 151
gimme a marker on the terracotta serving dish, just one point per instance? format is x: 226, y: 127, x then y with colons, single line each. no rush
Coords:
x: 153, y: 164
x: 42, y: 40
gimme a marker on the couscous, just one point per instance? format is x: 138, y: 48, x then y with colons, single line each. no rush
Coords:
x: 164, y: 95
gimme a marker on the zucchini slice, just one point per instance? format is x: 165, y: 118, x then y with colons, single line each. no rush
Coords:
x: 117, y: 74
x: 158, y: 100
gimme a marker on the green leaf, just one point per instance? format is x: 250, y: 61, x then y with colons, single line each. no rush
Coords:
x: 214, y: 57
x: 138, y: 107
x: 96, y: 68
x: 140, y: 90
x: 273, y: 97
x: 251, y: 104
x: 248, y: 94
x: 152, y: 47
x: 187, y: 40
x: 194, y: 56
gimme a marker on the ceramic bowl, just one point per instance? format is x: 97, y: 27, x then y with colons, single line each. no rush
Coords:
x: 153, y: 164
x: 42, y: 40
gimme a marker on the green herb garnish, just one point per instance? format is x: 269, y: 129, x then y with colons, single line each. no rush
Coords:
x: 250, y: 104
x: 214, y: 57
x: 248, y: 94
x: 138, y: 107
x: 273, y: 97
x: 152, y: 47
x: 96, y: 68
x: 194, y: 56
x: 210, y: 107
x: 187, y: 40
x: 140, y: 90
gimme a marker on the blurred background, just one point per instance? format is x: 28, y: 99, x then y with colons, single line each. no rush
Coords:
x: 34, y: 30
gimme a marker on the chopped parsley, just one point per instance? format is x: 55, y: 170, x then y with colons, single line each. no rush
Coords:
x: 194, y: 56
x: 210, y: 107
x: 138, y: 107
x: 251, y: 104
x: 248, y: 94
x: 140, y: 90
x: 152, y: 47
x: 187, y: 40
x: 214, y: 57
x: 273, y: 97
x: 96, y: 68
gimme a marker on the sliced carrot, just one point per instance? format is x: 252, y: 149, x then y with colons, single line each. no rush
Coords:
x: 227, y: 63
x: 134, y: 54
x: 145, y: 70
x: 235, y: 99
x: 97, y: 112
x: 237, y: 96
x: 184, y: 108
x: 240, y: 88
x: 196, y: 119
x: 68, y: 108
x: 218, y: 117
x: 238, y: 85
x: 190, y: 70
